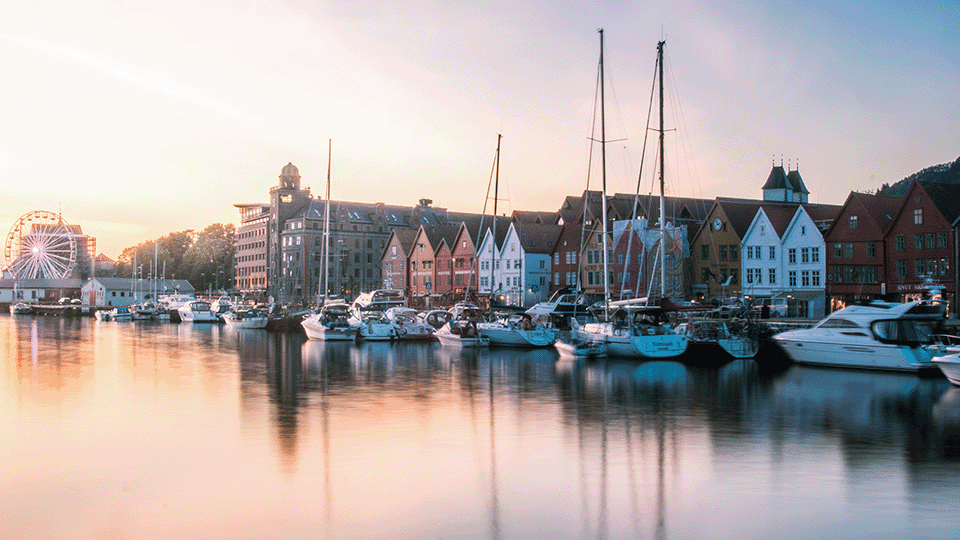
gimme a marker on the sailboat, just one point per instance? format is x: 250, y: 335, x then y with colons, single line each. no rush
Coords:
x: 519, y: 329
x: 631, y: 330
x: 331, y: 323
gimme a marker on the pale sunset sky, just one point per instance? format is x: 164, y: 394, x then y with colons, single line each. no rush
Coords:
x: 142, y: 118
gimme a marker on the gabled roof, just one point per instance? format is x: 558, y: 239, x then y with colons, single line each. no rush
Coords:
x: 538, y: 238
x: 405, y: 237
x: 779, y: 216
x: 777, y: 179
x: 546, y: 218
x: 880, y: 209
x: 946, y: 197
x: 441, y: 234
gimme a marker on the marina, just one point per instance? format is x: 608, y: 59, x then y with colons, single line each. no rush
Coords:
x: 156, y: 430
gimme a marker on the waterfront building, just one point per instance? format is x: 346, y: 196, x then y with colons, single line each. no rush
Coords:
x: 856, y: 254
x: 279, y: 245
x: 783, y: 257
x: 920, y: 243
x: 40, y: 290
x: 394, y: 258
x: 113, y: 291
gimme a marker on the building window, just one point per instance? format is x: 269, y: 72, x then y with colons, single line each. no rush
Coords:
x: 723, y: 253
x: 773, y: 253
x: 941, y: 239
x: 901, y: 243
x: 792, y: 278
x: 704, y: 275
x: 867, y: 274
x: 734, y: 253
x: 837, y: 250
x: 772, y: 276
x: 815, y: 254
x: 902, y: 268
x: 815, y: 278
x: 918, y: 241
x: 838, y: 274
x: 918, y: 216
x: 805, y: 278
x: 931, y: 240
x: 704, y: 251
x: 792, y: 255
x: 871, y: 250
x: 944, y: 267
x: 853, y: 222
x: 850, y: 273
x: 919, y: 268
x: 804, y: 255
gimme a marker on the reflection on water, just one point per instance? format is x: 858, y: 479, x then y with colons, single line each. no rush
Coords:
x: 132, y: 430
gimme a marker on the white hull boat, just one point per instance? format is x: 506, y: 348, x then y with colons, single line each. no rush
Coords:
x: 197, y: 312
x: 517, y: 331
x: 20, y: 308
x: 880, y: 335
x: 950, y: 366
x: 245, y: 319
x: 330, y: 324
x: 408, y: 326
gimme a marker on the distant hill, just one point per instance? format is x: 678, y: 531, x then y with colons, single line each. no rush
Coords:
x: 945, y: 173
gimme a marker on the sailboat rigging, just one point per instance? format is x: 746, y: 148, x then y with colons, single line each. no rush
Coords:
x: 630, y: 330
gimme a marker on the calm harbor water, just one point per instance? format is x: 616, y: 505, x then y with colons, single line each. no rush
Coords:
x: 154, y: 430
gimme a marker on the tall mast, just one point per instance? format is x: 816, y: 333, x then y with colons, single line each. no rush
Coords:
x: 603, y: 170
x: 326, y: 227
x: 493, y: 243
x: 663, y: 221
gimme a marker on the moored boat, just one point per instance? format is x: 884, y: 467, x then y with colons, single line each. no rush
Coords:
x: 408, y: 326
x: 461, y: 330
x: 517, y: 330
x: 245, y: 318
x: 20, y: 308
x: 197, y: 311
x: 330, y: 324
x: 879, y: 335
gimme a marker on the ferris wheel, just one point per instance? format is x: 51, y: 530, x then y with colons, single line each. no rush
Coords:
x: 40, y: 245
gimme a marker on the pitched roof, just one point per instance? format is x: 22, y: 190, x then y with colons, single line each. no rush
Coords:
x: 882, y: 210
x: 526, y: 216
x: 405, y: 237
x: 780, y: 216
x: 539, y: 238
x: 777, y: 179
x: 793, y: 177
x: 946, y: 197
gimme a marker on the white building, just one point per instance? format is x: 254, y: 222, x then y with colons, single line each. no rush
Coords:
x: 107, y: 291
x: 783, y: 256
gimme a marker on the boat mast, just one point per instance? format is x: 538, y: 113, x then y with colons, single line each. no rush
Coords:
x: 603, y: 174
x: 326, y: 228
x: 663, y: 221
x: 493, y: 244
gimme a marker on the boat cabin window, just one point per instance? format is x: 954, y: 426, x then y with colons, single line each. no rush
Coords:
x: 837, y: 322
x: 906, y: 330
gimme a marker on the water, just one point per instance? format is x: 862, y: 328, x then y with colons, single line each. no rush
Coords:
x: 133, y: 430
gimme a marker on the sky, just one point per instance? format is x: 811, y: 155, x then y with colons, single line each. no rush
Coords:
x: 137, y: 119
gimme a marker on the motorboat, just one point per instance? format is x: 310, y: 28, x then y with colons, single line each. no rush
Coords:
x: 436, y: 318
x: 245, y: 318
x: 517, y: 330
x: 950, y: 366
x: 634, y: 332
x: 563, y: 306
x: 461, y: 330
x: 121, y: 313
x: 197, y: 311
x: 712, y: 337
x: 21, y: 308
x: 878, y: 335
x: 143, y: 312
x: 368, y: 314
x: 407, y: 325
x: 221, y: 306
x: 330, y: 324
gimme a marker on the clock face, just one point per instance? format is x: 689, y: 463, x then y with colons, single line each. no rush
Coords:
x: 717, y: 224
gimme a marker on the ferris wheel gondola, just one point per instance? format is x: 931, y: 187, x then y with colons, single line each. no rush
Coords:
x: 40, y: 245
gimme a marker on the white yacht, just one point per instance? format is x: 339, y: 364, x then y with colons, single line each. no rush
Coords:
x: 879, y: 335
x: 407, y: 325
x: 197, y: 311
x: 20, y: 308
x: 246, y: 318
x: 517, y: 330
x: 368, y: 314
x: 461, y: 330
x: 330, y: 324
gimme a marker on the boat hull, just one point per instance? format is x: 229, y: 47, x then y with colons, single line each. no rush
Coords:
x: 376, y: 331
x: 950, y: 366
x: 501, y: 336
x: 187, y: 315
x: 866, y: 354
x: 246, y: 322
x: 453, y: 340
x: 624, y: 343
x: 321, y: 332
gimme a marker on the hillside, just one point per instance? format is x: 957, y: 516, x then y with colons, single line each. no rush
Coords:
x: 945, y: 173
